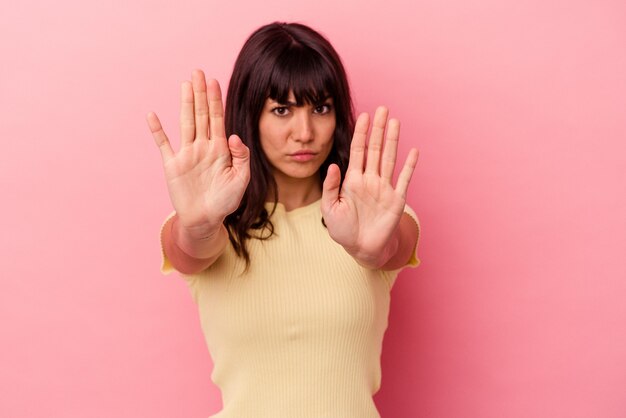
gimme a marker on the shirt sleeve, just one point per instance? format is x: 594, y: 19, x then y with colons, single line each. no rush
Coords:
x: 166, y: 265
x: 414, y: 261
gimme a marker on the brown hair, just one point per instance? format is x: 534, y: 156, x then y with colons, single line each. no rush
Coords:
x: 276, y: 59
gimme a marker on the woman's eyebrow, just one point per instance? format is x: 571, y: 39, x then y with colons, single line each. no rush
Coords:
x: 290, y: 103
x: 287, y: 103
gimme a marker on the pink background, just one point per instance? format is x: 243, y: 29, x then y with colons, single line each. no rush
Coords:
x: 517, y: 107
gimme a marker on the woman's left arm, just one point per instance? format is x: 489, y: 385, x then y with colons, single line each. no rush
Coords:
x: 366, y: 214
x: 406, y: 236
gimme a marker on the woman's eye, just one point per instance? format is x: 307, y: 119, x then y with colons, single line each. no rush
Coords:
x: 322, y: 109
x: 280, y: 111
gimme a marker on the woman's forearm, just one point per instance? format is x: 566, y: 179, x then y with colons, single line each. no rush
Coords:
x: 191, y: 255
x: 406, y: 235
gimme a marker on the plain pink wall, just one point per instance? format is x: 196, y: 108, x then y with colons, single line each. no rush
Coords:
x: 517, y: 107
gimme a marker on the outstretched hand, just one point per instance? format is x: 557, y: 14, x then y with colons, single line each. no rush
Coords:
x: 364, y: 213
x: 208, y: 175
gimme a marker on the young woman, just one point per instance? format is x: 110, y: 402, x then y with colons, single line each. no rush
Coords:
x: 288, y: 228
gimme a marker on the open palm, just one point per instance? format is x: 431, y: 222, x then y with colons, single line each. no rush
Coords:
x: 208, y: 175
x: 363, y: 215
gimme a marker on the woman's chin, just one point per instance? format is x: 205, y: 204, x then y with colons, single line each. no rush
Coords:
x: 300, y: 174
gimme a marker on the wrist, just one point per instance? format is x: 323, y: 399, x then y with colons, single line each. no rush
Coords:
x: 197, y: 231
x: 196, y: 241
x: 376, y: 259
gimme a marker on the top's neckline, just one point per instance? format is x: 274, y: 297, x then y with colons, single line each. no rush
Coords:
x: 311, y: 207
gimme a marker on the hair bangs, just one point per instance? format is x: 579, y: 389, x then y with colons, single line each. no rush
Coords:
x: 304, y: 72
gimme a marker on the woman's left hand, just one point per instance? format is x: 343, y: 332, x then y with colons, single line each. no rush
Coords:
x: 364, y: 214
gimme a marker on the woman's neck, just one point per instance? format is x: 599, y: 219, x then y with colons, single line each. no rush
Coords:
x: 295, y: 193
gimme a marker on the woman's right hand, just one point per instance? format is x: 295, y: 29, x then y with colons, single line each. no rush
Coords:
x: 208, y: 176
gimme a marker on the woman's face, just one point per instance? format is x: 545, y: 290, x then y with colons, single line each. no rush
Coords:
x: 296, y: 139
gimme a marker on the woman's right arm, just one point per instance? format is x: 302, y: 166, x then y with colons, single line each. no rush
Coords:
x: 187, y: 254
x: 206, y: 178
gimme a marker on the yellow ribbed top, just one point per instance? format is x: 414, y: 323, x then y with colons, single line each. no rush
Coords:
x: 299, y: 335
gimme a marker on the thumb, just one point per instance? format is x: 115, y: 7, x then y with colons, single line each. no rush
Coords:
x: 330, y: 188
x: 238, y: 150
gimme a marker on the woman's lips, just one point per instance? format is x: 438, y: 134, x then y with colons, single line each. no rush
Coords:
x: 303, y: 156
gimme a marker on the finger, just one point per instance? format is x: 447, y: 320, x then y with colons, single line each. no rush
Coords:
x: 330, y: 188
x: 216, y: 111
x: 407, y: 171
x: 201, y: 107
x: 187, y: 124
x: 388, y: 162
x: 375, y: 144
x: 159, y: 136
x: 357, y: 147
x: 239, y: 152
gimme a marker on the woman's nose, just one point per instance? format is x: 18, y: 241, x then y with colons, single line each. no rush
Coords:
x: 303, y: 126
